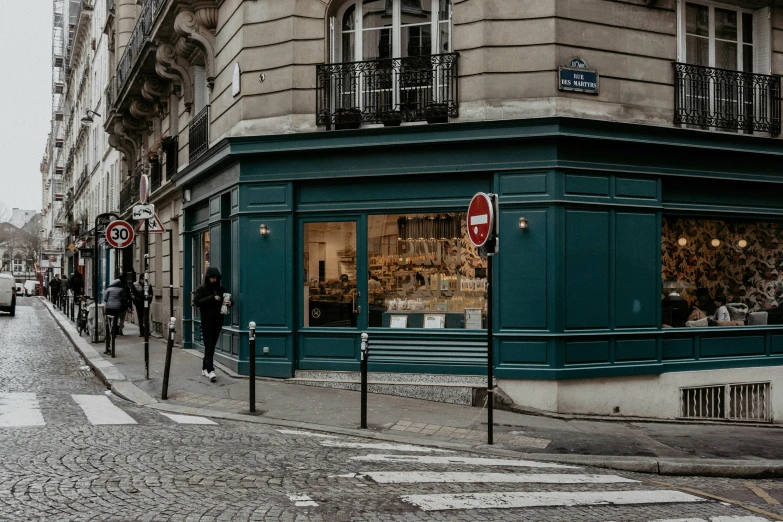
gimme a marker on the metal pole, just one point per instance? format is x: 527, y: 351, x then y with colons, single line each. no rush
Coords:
x: 252, y: 369
x: 490, y: 357
x: 146, y: 320
x: 95, y: 280
x: 164, y: 395
x: 171, y: 273
x: 365, y: 350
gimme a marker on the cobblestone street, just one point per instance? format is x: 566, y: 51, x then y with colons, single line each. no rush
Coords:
x: 92, y: 456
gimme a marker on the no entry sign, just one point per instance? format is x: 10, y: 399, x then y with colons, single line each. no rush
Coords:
x: 119, y: 234
x: 481, y: 219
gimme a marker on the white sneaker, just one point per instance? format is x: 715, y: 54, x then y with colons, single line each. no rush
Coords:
x: 212, y: 376
x: 205, y: 373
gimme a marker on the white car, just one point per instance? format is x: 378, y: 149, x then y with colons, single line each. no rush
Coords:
x: 7, y: 294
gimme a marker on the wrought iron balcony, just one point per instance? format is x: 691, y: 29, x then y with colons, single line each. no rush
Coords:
x: 111, y: 93
x: 129, y: 193
x: 198, y: 134
x: 138, y: 38
x: 724, y: 99
x: 415, y: 88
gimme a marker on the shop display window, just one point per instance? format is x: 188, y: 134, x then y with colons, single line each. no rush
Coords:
x: 721, y: 272
x: 423, y: 267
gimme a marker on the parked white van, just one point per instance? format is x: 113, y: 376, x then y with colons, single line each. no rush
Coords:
x: 7, y: 294
x: 31, y: 287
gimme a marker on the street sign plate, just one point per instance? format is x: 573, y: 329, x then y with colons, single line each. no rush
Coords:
x: 154, y: 226
x: 481, y: 219
x: 119, y: 234
x: 141, y: 212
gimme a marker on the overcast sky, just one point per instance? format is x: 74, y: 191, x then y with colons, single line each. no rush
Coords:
x: 25, y: 99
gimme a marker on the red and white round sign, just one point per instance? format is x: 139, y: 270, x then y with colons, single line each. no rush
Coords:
x: 119, y: 234
x: 481, y: 219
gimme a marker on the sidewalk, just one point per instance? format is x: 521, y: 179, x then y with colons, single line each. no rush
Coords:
x: 652, y: 447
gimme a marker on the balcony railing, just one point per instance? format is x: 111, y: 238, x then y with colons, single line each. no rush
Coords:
x: 129, y: 193
x: 415, y: 88
x: 138, y: 38
x: 111, y: 93
x: 724, y: 99
x: 52, y: 245
x: 198, y: 134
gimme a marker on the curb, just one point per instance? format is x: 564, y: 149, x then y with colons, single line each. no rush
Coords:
x: 122, y: 387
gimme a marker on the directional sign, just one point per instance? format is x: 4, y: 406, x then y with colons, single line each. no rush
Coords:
x: 141, y: 212
x: 119, y: 234
x: 481, y: 219
x: 154, y: 225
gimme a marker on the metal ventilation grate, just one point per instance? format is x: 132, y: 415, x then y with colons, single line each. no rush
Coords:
x: 739, y: 402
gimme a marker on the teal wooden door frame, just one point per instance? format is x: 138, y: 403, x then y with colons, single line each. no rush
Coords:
x: 331, y: 348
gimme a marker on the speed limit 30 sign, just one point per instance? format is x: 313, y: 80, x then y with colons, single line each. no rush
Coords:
x: 119, y: 234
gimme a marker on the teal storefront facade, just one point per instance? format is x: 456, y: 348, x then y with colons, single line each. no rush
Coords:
x: 578, y: 293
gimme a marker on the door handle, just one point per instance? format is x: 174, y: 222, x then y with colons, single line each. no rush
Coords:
x: 356, y: 309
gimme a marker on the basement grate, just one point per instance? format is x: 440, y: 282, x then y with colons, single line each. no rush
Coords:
x: 737, y: 402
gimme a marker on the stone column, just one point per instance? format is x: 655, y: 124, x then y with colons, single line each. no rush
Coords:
x: 126, y: 13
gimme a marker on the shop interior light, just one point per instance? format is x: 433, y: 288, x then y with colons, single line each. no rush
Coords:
x: 742, y: 243
x: 263, y: 230
x: 522, y: 223
x: 715, y: 242
x: 682, y: 241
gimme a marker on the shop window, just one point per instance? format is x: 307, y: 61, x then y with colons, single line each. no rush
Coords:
x: 330, y: 296
x: 424, y: 273
x: 716, y: 267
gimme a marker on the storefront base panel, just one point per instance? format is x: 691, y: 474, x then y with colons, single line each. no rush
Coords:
x: 648, y: 396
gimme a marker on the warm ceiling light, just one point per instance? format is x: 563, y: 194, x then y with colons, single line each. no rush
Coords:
x: 715, y: 242
x: 742, y: 243
x: 682, y: 241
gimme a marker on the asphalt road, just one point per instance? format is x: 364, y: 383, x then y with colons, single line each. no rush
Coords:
x: 69, y: 451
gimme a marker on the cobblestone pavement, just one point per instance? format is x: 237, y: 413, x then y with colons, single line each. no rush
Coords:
x: 69, y: 468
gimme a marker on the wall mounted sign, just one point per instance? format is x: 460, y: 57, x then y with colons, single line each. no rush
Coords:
x: 399, y: 321
x: 434, y: 320
x: 577, y: 77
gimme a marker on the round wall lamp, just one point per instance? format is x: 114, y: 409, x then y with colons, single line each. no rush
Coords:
x: 263, y: 230
x: 742, y: 243
x: 87, y: 120
x: 522, y: 223
x: 682, y: 241
x: 715, y: 242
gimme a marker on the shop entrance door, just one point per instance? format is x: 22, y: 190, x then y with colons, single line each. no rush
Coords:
x: 331, y: 308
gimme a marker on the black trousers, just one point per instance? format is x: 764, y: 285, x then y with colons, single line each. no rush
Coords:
x: 210, y: 333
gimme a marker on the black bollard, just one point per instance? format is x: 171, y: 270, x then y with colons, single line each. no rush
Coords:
x: 365, y: 351
x: 164, y: 395
x: 252, y: 369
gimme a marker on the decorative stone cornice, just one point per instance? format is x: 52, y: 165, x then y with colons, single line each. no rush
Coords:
x: 171, y: 67
x: 120, y: 140
x: 199, y: 26
x: 156, y: 90
x: 142, y: 110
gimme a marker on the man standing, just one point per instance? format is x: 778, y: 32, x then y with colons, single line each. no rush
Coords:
x: 54, y: 289
x: 114, y: 298
x: 209, y: 297
x: 77, y: 284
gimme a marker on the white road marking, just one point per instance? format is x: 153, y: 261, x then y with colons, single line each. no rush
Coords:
x: 414, y: 477
x: 307, y: 434
x: 100, y: 410
x: 380, y: 446
x: 734, y: 518
x: 20, y: 409
x: 473, y: 461
x: 302, y: 500
x: 545, y: 499
x: 188, y: 419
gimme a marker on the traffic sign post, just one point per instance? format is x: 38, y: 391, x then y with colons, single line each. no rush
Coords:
x: 483, y: 233
x: 119, y: 234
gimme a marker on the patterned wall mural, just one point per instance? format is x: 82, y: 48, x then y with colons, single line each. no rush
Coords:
x: 746, y: 266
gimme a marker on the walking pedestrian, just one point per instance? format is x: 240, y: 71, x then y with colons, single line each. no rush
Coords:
x: 213, y: 300
x: 77, y: 284
x: 54, y: 288
x: 114, y: 298
x: 137, y: 289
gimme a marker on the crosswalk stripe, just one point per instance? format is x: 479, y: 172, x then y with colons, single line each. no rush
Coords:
x: 306, y: 434
x: 473, y: 461
x: 101, y: 411
x: 20, y: 409
x: 420, y: 477
x: 189, y: 419
x: 380, y: 446
x: 733, y: 518
x: 302, y: 500
x: 545, y: 499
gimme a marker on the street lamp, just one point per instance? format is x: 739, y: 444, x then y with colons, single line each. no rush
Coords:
x: 87, y: 119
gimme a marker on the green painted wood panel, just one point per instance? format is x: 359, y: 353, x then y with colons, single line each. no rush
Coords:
x: 265, y: 197
x: 587, y: 269
x: 523, y: 352
x: 732, y: 346
x: 576, y: 185
x: 582, y: 352
x: 521, y: 282
x: 214, y: 207
x: 776, y: 344
x: 636, y: 188
x: 637, y: 269
x: 327, y: 347
x: 523, y: 184
x: 635, y: 350
x: 677, y: 348
x: 266, y: 290
x: 197, y: 217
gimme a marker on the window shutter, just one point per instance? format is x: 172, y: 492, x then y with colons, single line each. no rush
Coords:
x: 762, y: 41
x: 199, y: 88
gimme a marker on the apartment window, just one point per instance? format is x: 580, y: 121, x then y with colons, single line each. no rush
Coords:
x: 725, y: 37
x: 378, y: 29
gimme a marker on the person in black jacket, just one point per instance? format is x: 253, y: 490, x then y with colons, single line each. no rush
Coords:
x: 77, y: 283
x: 209, y: 298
